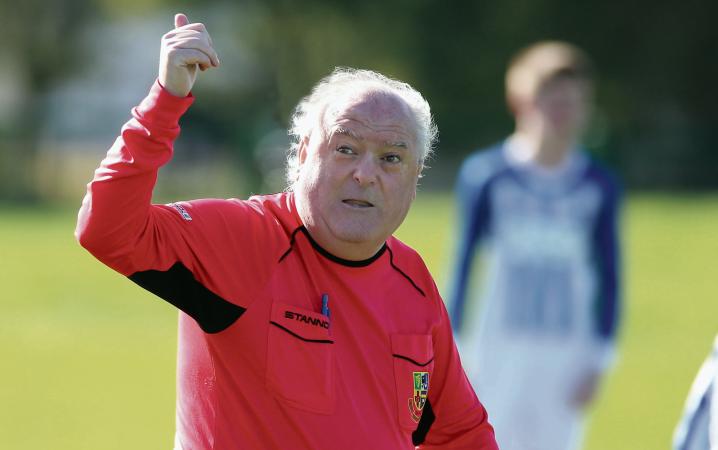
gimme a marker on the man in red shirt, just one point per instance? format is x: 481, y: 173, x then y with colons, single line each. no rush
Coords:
x: 304, y: 324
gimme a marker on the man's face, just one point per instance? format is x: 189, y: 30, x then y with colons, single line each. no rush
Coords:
x: 564, y: 105
x: 358, y: 175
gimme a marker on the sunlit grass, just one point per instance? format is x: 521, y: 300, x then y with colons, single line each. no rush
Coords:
x: 88, y: 358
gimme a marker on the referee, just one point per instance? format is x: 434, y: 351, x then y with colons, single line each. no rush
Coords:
x: 304, y: 323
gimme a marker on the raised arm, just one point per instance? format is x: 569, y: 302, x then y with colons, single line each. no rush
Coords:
x: 179, y: 251
x: 115, y: 214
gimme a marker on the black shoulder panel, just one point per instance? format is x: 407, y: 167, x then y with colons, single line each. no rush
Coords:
x: 179, y: 287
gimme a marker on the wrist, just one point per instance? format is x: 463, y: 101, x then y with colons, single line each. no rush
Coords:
x: 162, y: 107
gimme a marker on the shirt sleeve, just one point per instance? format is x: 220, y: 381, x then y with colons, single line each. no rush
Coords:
x: 713, y: 399
x: 606, y: 250
x: 206, y: 257
x: 473, y: 217
x: 453, y: 418
x: 701, y: 401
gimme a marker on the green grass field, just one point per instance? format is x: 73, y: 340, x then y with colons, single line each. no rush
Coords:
x: 88, y: 358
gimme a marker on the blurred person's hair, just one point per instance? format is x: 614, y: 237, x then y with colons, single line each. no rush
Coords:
x: 308, y: 116
x: 542, y: 63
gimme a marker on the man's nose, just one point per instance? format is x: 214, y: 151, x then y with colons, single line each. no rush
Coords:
x: 365, y: 171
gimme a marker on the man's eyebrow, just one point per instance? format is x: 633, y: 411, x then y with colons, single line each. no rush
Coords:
x: 345, y: 132
x: 352, y: 134
x: 400, y: 144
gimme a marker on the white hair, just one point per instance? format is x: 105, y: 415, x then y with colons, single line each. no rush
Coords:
x: 308, y: 115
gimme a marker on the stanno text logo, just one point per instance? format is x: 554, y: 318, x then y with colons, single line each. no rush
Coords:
x: 306, y: 319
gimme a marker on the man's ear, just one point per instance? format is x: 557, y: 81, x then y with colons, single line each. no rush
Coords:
x: 302, y: 150
x: 418, y: 177
x: 515, y: 104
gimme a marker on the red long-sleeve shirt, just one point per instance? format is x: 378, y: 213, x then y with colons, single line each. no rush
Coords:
x: 261, y: 364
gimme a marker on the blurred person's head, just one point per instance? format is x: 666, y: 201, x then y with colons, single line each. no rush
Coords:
x: 360, y: 142
x: 549, y: 89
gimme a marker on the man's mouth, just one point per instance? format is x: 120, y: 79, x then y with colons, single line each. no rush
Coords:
x: 357, y: 203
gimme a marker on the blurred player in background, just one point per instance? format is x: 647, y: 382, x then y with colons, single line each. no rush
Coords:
x: 543, y: 216
x: 698, y: 428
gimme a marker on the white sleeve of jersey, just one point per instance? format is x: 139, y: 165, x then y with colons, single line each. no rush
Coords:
x: 698, y: 428
x: 713, y: 427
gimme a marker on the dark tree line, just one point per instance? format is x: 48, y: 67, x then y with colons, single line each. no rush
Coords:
x: 657, y: 63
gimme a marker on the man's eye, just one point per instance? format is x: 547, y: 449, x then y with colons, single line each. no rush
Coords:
x: 392, y: 159
x: 345, y: 150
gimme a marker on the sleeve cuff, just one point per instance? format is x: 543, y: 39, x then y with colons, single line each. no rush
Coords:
x: 162, y: 108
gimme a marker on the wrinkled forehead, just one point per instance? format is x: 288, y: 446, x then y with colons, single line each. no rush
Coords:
x: 375, y: 111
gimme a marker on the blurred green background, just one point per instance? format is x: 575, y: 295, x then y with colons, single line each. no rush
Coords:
x: 88, y: 359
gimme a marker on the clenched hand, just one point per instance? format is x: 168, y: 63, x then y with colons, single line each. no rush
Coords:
x: 184, y: 50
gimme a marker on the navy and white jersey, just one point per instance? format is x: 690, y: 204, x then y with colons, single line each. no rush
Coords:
x: 698, y: 428
x: 548, y: 237
x: 545, y: 307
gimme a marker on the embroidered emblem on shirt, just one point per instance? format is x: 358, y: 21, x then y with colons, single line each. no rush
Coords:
x: 183, y: 212
x: 421, y: 390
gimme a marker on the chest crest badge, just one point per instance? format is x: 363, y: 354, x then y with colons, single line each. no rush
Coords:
x: 421, y: 390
